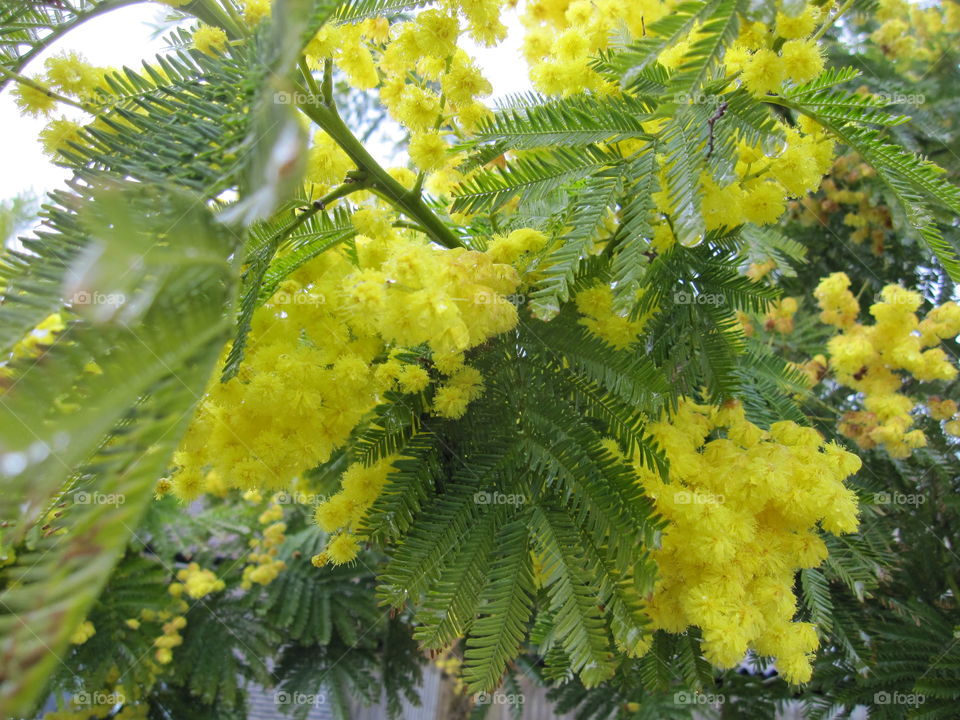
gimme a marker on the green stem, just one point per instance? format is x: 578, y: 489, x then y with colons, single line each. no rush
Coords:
x: 833, y: 19
x: 328, y: 83
x: 308, y: 77
x: 408, y: 225
x: 378, y: 179
x: 29, y: 82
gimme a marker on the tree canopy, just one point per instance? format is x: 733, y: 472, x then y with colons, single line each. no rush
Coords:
x: 641, y: 385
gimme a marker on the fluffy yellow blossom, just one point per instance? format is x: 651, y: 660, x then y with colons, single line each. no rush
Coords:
x: 198, y: 582
x: 802, y: 60
x: 838, y: 306
x: 941, y: 409
x: 797, y: 26
x: 256, y: 11
x: 763, y: 72
x: 83, y: 633
x: 762, y: 202
x: 343, y: 513
x: 463, y: 82
x: 209, y: 39
x: 596, y: 305
x: 450, y: 401
x: 59, y: 134
x: 779, y: 317
x: 417, y: 108
x: 508, y: 248
x: 343, y: 548
x: 327, y: 164
x: 428, y: 151
x: 71, y: 74
x: 33, y: 101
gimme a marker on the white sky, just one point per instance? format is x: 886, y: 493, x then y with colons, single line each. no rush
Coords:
x: 123, y: 37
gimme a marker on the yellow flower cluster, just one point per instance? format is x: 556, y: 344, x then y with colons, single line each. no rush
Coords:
x: 742, y: 506
x: 600, y: 318
x: 342, y: 514
x: 425, y: 81
x: 170, y: 639
x: 70, y: 75
x: 196, y: 582
x: 945, y: 410
x: 911, y: 33
x: 779, y: 316
x: 869, y: 359
x: 765, y: 181
x: 209, y: 39
x: 562, y: 36
x: 265, y: 567
x: 516, y: 245
x: 83, y: 633
x: 324, y: 349
x: 35, y: 343
x: 767, y: 57
x: 256, y: 11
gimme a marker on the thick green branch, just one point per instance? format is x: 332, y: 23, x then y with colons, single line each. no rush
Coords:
x: 378, y: 179
x: 40, y: 87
